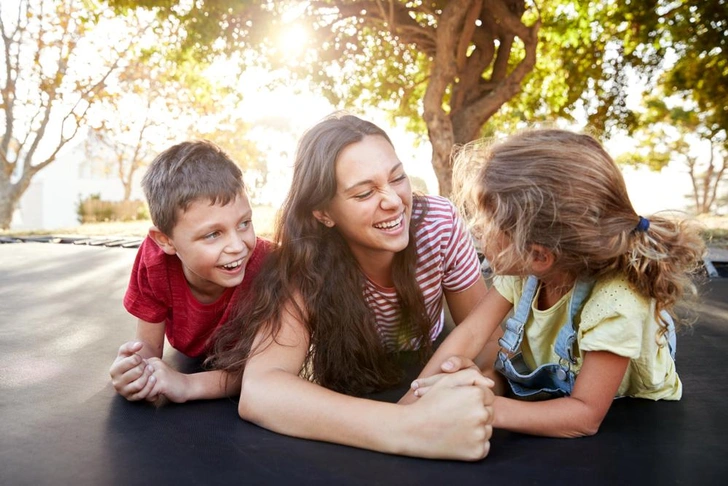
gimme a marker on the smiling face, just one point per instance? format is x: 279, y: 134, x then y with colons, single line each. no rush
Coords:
x: 372, y: 207
x: 214, y: 243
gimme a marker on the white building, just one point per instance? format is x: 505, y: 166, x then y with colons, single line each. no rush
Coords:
x: 51, y: 201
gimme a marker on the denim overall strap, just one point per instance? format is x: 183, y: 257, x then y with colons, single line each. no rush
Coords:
x: 513, y: 333
x: 567, y: 334
x: 671, y: 336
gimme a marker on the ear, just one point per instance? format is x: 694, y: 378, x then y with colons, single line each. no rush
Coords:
x: 163, y: 241
x: 542, y: 259
x: 323, y: 218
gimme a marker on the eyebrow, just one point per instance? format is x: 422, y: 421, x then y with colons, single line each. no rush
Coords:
x: 369, y: 181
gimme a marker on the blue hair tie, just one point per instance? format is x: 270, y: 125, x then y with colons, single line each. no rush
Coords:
x: 643, y: 225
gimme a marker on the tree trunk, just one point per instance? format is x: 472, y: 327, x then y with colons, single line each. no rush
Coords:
x: 127, y: 190
x: 453, y: 71
x: 441, y: 150
x: 8, y: 202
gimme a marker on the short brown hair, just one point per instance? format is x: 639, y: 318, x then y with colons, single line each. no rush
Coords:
x: 185, y: 173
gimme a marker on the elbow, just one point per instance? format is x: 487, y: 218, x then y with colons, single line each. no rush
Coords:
x: 249, y: 405
x: 591, y: 427
x: 584, y: 419
x: 580, y: 432
x: 585, y: 428
x: 244, y: 410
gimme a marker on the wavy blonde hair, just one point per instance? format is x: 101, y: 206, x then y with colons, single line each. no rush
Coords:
x: 562, y: 190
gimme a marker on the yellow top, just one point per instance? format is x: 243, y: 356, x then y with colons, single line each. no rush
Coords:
x: 614, y: 318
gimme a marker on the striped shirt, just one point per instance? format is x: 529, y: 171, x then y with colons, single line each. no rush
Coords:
x: 446, y: 260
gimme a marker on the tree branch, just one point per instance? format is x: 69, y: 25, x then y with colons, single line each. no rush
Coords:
x: 466, y: 35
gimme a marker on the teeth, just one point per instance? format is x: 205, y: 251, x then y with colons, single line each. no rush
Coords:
x: 233, y: 265
x: 389, y: 225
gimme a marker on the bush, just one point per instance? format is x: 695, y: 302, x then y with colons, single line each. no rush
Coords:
x: 717, y: 237
x: 95, y: 210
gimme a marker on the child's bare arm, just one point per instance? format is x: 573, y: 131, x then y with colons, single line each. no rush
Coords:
x: 180, y: 387
x: 151, y: 335
x: 468, y: 339
x: 578, y: 415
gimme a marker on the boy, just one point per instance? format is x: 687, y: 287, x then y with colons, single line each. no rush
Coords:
x: 197, y: 261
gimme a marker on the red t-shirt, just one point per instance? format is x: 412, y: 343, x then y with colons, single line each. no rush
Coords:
x: 159, y: 292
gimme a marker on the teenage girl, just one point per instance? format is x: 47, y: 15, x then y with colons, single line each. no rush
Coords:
x: 359, y: 274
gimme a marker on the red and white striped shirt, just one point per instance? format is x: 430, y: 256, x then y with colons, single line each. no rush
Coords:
x: 446, y: 260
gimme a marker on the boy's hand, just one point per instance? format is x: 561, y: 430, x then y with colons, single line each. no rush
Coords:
x: 169, y: 382
x: 452, y: 365
x: 131, y: 375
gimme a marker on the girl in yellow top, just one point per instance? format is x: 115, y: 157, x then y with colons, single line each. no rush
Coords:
x: 592, y: 285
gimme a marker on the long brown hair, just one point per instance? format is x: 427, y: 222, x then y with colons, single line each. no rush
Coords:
x: 563, y: 191
x: 313, y: 271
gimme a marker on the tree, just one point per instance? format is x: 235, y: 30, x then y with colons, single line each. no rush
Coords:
x: 230, y: 133
x: 699, y: 37
x: 460, y: 60
x: 665, y: 135
x: 459, y: 69
x: 693, y: 99
x: 48, y: 83
x: 452, y: 64
x: 455, y: 69
x: 154, y: 103
x: 589, y: 55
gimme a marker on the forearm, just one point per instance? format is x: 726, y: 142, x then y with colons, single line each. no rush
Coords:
x: 150, y: 350
x: 469, y: 339
x: 318, y: 413
x: 287, y: 404
x: 151, y: 335
x: 208, y: 385
x: 565, y: 417
x: 462, y: 341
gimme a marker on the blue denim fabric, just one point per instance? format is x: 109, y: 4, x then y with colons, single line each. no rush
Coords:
x: 549, y: 380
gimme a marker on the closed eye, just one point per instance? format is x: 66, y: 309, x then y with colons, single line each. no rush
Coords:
x: 363, y: 195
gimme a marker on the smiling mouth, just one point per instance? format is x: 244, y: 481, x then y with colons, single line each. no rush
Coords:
x: 233, y: 265
x: 389, y: 225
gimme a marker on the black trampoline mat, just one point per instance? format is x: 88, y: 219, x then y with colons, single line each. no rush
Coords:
x: 62, y: 321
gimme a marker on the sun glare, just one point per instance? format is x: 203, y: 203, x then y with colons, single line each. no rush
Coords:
x: 292, y: 41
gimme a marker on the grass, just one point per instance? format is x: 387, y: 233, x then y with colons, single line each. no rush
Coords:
x: 715, y: 233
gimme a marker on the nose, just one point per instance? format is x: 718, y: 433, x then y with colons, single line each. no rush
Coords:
x: 390, y: 199
x: 234, y: 243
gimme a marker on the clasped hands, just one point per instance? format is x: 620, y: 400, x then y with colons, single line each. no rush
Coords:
x: 137, y: 378
x: 452, y: 365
